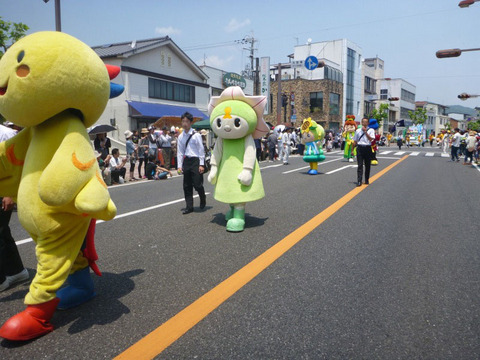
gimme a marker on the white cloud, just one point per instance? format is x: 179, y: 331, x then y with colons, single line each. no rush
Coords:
x: 234, y: 25
x: 216, y: 62
x: 167, y: 30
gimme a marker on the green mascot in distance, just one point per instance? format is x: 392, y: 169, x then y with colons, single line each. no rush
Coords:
x: 236, y: 119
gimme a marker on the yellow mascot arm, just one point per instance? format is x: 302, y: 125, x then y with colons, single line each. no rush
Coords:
x: 12, y: 156
x: 72, y: 176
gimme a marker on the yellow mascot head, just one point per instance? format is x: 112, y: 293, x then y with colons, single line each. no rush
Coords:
x: 49, y: 72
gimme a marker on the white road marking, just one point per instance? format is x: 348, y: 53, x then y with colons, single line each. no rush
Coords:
x: 429, y: 154
x: 445, y: 155
x: 385, y: 152
x: 24, y: 241
x: 307, y: 167
x: 476, y: 167
x: 387, y: 157
x: 342, y: 168
x: 399, y: 153
x: 271, y: 166
x: 415, y: 153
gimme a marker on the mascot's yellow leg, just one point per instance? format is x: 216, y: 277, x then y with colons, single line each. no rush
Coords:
x: 58, y: 254
x: 314, y: 166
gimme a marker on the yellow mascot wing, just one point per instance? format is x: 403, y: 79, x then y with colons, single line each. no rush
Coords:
x: 12, y: 156
x: 73, y: 169
x: 94, y: 200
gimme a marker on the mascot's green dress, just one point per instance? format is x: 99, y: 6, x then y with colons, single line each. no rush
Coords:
x: 236, y: 119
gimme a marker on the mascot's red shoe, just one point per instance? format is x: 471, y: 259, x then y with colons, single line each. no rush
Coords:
x: 31, y: 323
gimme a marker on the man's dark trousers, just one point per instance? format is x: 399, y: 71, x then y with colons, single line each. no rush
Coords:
x: 454, y: 153
x: 364, y: 156
x: 10, y: 261
x: 192, y: 179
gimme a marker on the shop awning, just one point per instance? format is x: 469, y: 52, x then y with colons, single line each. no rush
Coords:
x: 158, y: 111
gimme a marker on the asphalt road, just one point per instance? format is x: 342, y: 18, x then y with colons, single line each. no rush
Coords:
x: 393, y: 274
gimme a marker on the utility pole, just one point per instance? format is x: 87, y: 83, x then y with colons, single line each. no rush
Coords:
x: 58, y: 20
x: 249, y: 40
x: 279, y: 94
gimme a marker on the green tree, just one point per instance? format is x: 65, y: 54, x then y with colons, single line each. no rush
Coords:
x: 419, y: 116
x: 9, y: 33
x: 474, y: 125
x: 380, y: 114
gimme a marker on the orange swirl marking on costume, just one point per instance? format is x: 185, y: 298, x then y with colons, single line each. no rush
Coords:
x: 82, y: 166
x: 12, y: 158
x: 99, y: 178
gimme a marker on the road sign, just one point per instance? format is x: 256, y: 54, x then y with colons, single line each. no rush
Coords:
x: 311, y: 62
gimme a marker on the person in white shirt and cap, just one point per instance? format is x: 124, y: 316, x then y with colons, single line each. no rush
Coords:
x: 363, y: 141
x: 191, y: 162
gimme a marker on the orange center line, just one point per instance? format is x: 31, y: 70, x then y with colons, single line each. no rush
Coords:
x: 174, y: 328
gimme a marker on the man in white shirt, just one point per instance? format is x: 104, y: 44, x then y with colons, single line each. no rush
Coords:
x: 191, y: 162
x: 456, y: 144
x: 363, y: 141
x: 117, y: 167
x: 11, y: 266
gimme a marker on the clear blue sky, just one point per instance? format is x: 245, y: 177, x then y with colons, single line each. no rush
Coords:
x: 404, y: 33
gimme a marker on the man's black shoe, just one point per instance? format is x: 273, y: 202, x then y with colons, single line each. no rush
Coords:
x: 203, y: 204
x: 359, y: 183
x: 187, y: 211
x: 367, y: 182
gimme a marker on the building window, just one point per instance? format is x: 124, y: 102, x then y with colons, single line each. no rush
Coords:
x: 408, y: 96
x: 316, y: 101
x: 334, y: 104
x: 368, y: 107
x: 369, y: 85
x: 332, y: 74
x: 166, y: 90
x: 383, y: 94
x: 404, y: 113
x: 350, y: 80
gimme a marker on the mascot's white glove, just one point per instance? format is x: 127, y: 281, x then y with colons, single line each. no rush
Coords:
x: 212, y: 175
x: 245, y: 177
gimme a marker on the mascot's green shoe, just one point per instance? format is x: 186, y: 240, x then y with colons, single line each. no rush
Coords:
x: 229, y: 214
x: 237, y: 223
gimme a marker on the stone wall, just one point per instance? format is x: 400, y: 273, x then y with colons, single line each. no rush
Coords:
x: 302, y: 89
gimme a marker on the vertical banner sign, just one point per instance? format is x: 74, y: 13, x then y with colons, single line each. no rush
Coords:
x: 265, y: 81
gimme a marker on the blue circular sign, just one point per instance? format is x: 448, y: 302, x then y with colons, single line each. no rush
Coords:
x: 311, y: 62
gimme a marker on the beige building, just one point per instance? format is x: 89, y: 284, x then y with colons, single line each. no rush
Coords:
x: 319, y: 99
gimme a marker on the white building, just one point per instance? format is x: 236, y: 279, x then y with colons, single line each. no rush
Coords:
x: 161, y: 82
x: 437, y: 118
x: 342, y: 58
x: 405, y: 92
x: 461, y: 114
x: 216, y: 80
x: 372, y: 72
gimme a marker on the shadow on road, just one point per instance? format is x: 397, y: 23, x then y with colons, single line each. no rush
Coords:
x: 250, y: 221
x: 103, y: 309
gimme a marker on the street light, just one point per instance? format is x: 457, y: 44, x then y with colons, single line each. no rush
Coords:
x: 466, y: 3
x: 465, y: 96
x: 452, y: 52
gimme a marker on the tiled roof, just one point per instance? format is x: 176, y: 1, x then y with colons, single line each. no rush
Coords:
x: 109, y: 50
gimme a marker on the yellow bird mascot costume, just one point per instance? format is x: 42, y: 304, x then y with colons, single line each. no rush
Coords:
x: 55, y: 87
